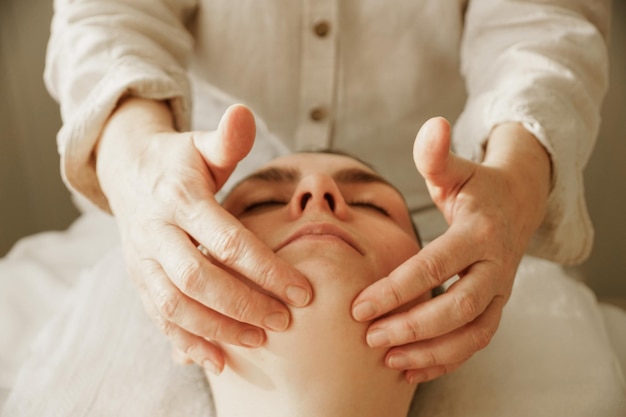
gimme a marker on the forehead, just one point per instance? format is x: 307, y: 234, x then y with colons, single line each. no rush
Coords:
x: 318, y: 163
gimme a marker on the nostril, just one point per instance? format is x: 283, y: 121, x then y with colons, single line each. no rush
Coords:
x: 331, y: 201
x: 304, y: 200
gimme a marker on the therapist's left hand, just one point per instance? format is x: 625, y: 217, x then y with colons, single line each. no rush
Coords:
x: 493, y: 209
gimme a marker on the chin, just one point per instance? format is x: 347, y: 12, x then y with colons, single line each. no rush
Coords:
x: 326, y: 265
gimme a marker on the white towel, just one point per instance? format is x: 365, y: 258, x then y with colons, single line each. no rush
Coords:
x: 103, y: 357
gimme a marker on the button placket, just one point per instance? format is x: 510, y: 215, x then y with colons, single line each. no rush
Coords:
x: 318, y: 74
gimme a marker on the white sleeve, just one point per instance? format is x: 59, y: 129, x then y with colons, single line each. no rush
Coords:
x: 544, y: 64
x: 100, y: 51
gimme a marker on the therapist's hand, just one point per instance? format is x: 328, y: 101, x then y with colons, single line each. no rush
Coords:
x: 160, y: 185
x: 492, y: 209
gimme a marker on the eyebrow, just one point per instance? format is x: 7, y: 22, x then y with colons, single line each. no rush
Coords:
x: 273, y: 175
x: 356, y: 175
x: 290, y: 175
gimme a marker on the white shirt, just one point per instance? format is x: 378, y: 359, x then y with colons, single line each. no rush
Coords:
x: 359, y: 76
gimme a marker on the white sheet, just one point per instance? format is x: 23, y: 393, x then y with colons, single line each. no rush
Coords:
x: 101, y: 356
x: 35, y: 278
x: 615, y: 321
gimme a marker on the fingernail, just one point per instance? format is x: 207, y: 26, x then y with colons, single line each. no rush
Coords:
x: 398, y: 361
x: 297, y: 296
x: 377, y: 338
x: 416, y: 377
x: 277, y: 322
x: 209, y: 366
x: 251, y: 338
x: 365, y: 310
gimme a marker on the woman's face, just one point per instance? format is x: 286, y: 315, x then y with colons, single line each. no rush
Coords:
x: 343, y: 227
x: 324, y: 210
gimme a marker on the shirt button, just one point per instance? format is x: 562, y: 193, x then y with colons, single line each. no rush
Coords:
x: 318, y: 114
x: 321, y: 28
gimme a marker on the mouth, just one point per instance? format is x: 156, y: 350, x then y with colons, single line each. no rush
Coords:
x: 321, y: 230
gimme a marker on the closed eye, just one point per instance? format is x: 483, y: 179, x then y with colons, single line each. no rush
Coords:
x: 263, y: 204
x: 371, y: 206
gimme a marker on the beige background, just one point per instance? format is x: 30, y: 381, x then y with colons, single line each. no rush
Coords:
x: 33, y: 198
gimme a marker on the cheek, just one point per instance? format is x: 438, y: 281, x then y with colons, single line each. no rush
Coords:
x: 265, y: 229
x: 393, y: 249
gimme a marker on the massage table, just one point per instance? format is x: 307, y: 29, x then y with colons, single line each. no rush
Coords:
x: 76, y: 342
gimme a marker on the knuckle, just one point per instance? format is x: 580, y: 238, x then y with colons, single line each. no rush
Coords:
x: 165, y: 326
x: 487, y: 230
x: 228, y: 245
x: 240, y: 307
x: 243, y: 307
x: 188, y: 275
x: 172, y: 188
x: 435, y: 269
x: 429, y: 358
x: 467, y: 306
x: 216, y: 331
x: 481, y: 337
x: 168, y: 304
x: 414, y: 329
x: 263, y: 275
x: 394, y: 293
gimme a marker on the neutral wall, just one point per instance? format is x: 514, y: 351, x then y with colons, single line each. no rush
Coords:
x: 32, y: 197
x: 605, y: 176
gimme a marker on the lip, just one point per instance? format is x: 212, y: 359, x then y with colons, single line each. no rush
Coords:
x: 321, y: 229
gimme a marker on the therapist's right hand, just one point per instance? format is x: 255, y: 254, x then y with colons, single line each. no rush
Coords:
x: 161, y: 185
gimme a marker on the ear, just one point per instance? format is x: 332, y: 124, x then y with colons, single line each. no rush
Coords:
x: 230, y: 143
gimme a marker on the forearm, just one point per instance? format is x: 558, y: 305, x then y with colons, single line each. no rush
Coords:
x: 543, y: 65
x: 100, y: 51
x: 91, y: 41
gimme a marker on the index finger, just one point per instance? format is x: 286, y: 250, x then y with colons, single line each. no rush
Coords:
x: 234, y: 246
x: 440, y: 260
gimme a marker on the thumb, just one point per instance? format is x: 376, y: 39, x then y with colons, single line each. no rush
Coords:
x: 230, y: 143
x: 440, y: 168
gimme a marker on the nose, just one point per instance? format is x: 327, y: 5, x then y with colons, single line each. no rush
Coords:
x: 306, y: 198
x: 318, y: 192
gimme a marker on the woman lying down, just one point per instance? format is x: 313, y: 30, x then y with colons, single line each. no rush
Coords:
x: 343, y: 226
x: 332, y: 217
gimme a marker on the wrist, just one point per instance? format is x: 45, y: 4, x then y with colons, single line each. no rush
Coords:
x: 512, y: 148
x: 525, y: 162
x: 125, y: 139
x: 135, y: 116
